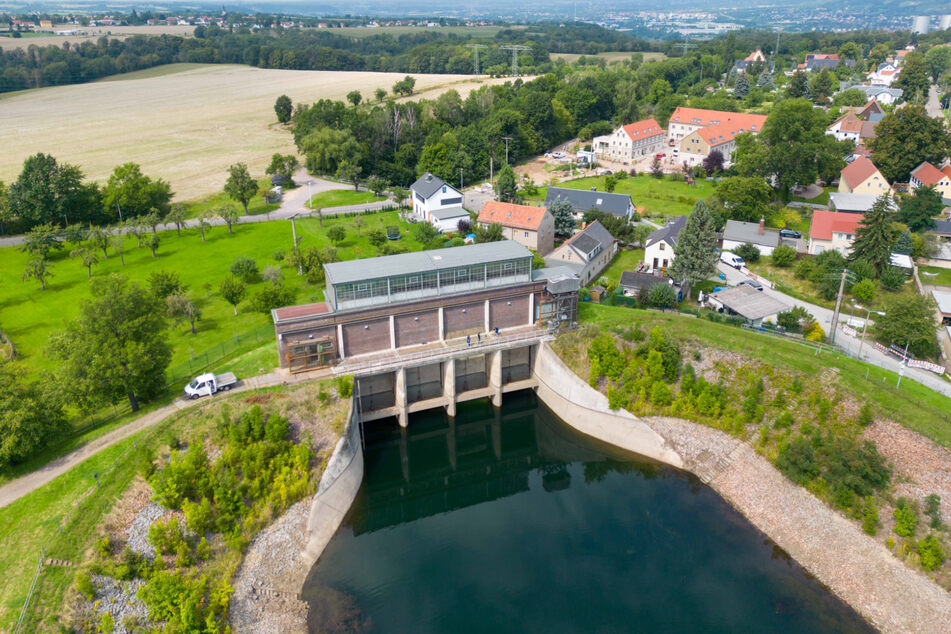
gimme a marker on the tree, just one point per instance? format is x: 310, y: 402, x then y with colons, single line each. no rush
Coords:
x: 153, y: 242
x: 909, y: 321
x: 271, y: 296
x: 129, y: 193
x: 713, y: 162
x: 283, y: 165
x: 798, y: 85
x: 748, y: 251
x: 822, y: 85
x: 376, y: 185
x: 99, y: 239
x: 662, y: 296
x: 404, y: 86
x: 610, y: 183
x: 563, y: 213
x: 245, y: 268
x: 464, y: 226
x: 874, y: 237
x: 377, y: 238
x: 400, y: 195
x: 240, y: 185
x: 744, y: 197
x: 30, y: 418
x: 41, y: 240
x: 657, y: 170
x: 38, y: 269
x: 165, y: 283
x: 793, y: 147
x: 915, y: 77
x: 695, y: 255
x: 904, y: 244
x: 742, y: 86
x: 358, y: 222
x: 491, y: 232
x: 380, y: 94
x: 325, y: 148
x: 850, y: 97
x: 153, y: 219
x: 115, y: 348
x: 336, y: 234
x: 904, y: 139
x: 283, y: 109
x: 349, y: 172
x: 88, y: 258
x: 938, y: 59
x: 660, y: 88
x: 178, y: 217
x: 232, y: 289
x: 506, y: 186
x: 49, y: 192
x: 918, y: 210
x: 181, y: 308
x: 424, y: 232
x: 783, y: 255
x: 4, y: 208
x: 354, y: 97
x: 229, y: 214
x: 117, y: 241
x: 204, y: 221
x: 134, y: 227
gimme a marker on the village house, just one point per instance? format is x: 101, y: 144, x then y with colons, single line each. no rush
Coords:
x: 582, y: 200
x: 532, y: 227
x: 753, y: 306
x: 631, y: 141
x: 699, y: 132
x: 659, y: 246
x: 588, y: 252
x: 882, y: 94
x: 756, y: 57
x: 857, y: 203
x: 817, y: 62
x: 862, y: 177
x: 884, y: 75
x: 431, y: 193
x: 737, y: 233
x: 927, y: 175
x: 846, y: 128
x: 832, y: 231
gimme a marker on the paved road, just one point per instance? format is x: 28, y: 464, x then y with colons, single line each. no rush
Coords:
x: 292, y: 204
x: 844, y: 341
x: 933, y: 106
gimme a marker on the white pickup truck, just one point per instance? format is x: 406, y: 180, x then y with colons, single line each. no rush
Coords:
x: 209, y: 383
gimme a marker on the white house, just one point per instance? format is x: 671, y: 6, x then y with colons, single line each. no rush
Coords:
x: 885, y: 75
x: 659, y: 246
x: 447, y: 219
x: 631, y: 141
x: 882, y: 94
x: 431, y: 193
x: 737, y: 233
x: 832, y: 231
x: 846, y: 128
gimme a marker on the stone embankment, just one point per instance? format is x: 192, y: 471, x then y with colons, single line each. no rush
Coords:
x: 862, y: 572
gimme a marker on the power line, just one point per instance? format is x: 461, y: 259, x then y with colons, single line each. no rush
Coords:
x: 475, y: 52
x: 515, y: 48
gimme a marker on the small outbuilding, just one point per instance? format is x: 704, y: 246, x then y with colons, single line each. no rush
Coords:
x: 943, y: 300
x: 633, y: 284
x: 752, y: 305
x: 597, y: 293
x: 447, y: 219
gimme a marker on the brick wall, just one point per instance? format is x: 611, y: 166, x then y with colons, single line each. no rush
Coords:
x: 366, y: 336
x: 417, y: 328
x: 509, y: 312
x: 459, y: 323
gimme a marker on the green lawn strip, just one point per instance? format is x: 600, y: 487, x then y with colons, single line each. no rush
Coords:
x: 343, y: 197
x: 29, y: 315
x: 821, y: 199
x: 943, y: 278
x: 256, y: 206
x: 913, y: 405
x: 260, y: 360
x: 623, y: 261
x: 659, y: 196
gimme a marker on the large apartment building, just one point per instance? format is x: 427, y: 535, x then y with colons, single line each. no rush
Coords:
x: 632, y: 141
x: 697, y: 132
x: 394, y: 302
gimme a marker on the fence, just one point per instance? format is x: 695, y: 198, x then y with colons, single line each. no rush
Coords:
x: 187, y: 369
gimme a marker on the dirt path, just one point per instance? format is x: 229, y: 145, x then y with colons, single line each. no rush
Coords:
x: 16, y: 489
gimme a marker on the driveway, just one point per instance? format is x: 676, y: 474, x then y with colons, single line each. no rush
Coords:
x: 933, y: 106
x: 847, y: 343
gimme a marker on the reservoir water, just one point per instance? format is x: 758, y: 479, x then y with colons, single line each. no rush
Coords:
x: 510, y: 521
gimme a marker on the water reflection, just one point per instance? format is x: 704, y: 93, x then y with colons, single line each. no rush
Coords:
x: 508, y: 520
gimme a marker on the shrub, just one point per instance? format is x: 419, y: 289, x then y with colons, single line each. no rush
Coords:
x: 279, y: 255
x: 344, y: 385
x: 660, y: 394
x: 863, y: 270
x: 106, y: 623
x: 749, y: 252
x: 166, y: 536
x: 814, y: 332
x: 783, y: 255
x: 270, y: 297
x: 245, y: 268
x: 864, y: 291
x: 606, y: 359
x: 273, y: 274
x: 805, y: 268
x: 202, y: 550
x: 275, y: 429
x: 931, y: 553
x: 783, y: 421
x: 933, y: 510
x: 85, y: 585
x: 104, y: 546
x: 165, y: 283
x: 662, y: 296
x: 198, y: 515
x: 866, y: 416
x: 794, y: 319
x: 906, y: 518
x: 870, y: 517
x: 893, y: 278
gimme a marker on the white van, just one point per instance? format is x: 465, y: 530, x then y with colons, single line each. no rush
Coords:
x: 732, y: 259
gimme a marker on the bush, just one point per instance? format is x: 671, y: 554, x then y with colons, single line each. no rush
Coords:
x: 245, y: 268
x: 106, y: 623
x: 783, y: 421
x: 660, y: 394
x: 906, y: 518
x: 783, y: 255
x: 805, y: 268
x: 794, y: 319
x: 931, y: 553
x: 870, y: 517
x: 165, y: 283
x: 198, y: 516
x: 85, y: 585
x: 273, y: 274
x: 893, y: 278
x: 814, y: 332
x: 662, y: 296
x: 344, y: 385
x: 933, y: 510
x: 866, y: 416
x: 749, y: 252
x: 864, y: 291
x: 276, y: 428
x: 270, y: 297
x: 863, y: 270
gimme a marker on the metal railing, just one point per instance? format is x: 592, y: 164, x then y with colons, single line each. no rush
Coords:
x: 187, y: 369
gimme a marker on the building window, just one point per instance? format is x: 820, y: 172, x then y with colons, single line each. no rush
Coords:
x: 662, y: 245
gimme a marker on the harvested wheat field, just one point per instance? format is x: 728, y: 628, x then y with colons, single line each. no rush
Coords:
x: 90, y: 34
x: 186, y: 127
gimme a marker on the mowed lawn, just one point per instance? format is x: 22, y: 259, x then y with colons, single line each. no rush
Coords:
x: 658, y: 196
x: 935, y: 275
x: 29, y: 315
x: 623, y: 261
x: 341, y: 197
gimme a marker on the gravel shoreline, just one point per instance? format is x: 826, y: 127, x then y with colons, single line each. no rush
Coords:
x: 853, y: 565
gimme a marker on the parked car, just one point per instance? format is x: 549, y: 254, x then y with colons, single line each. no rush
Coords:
x: 558, y: 155
x: 753, y: 283
x: 732, y: 259
x: 659, y: 155
x: 789, y: 233
x: 210, y: 383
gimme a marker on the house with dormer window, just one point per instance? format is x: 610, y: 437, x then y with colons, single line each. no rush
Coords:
x: 431, y: 193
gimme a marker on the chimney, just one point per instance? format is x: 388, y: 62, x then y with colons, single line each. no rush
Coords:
x: 762, y: 223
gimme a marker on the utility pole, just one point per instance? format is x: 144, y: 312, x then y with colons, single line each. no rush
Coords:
x: 475, y: 53
x: 460, y: 180
x: 904, y: 363
x: 300, y: 271
x: 506, y: 139
x: 838, y: 304
x: 491, y: 169
x: 684, y: 46
x: 515, y: 48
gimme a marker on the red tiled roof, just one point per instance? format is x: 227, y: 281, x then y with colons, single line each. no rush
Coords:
x: 727, y: 131
x: 928, y: 174
x: 858, y: 171
x: 701, y: 117
x: 946, y: 170
x: 824, y: 223
x: 304, y: 310
x: 643, y: 129
x: 848, y: 122
x: 512, y: 215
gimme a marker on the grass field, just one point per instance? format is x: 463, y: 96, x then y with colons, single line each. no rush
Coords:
x: 659, y: 196
x: 92, y: 34
x: 943, y: 275
x: 623, y: 261
x: 913, y: 405
x: 341, y: 197
x: 184, y: 125
x: 29, y: 315
x: 609, y: 56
